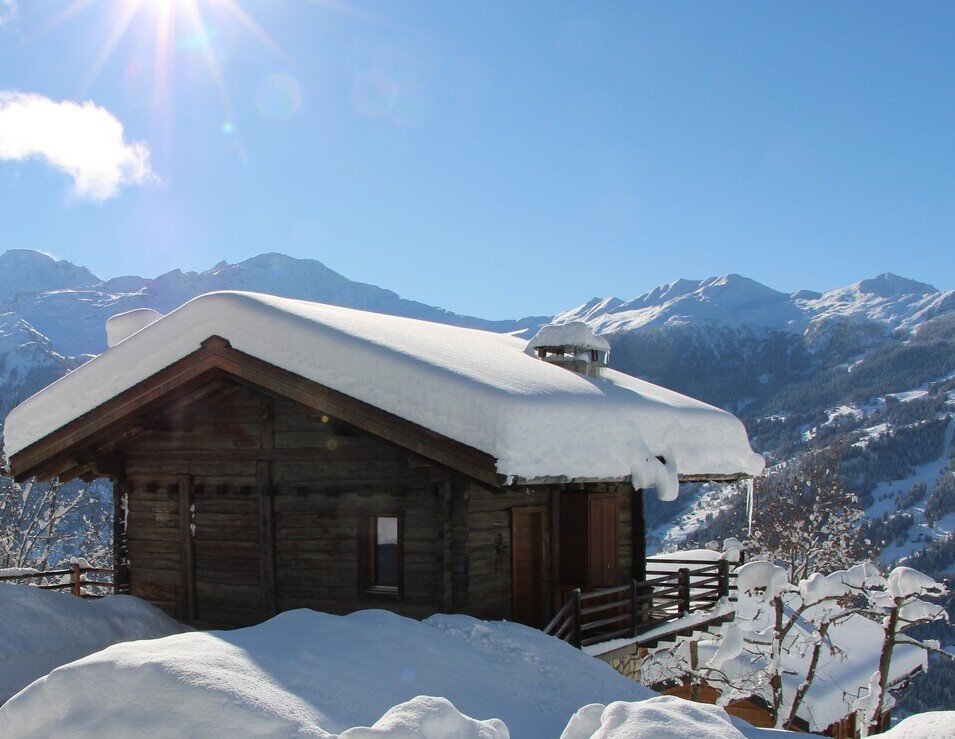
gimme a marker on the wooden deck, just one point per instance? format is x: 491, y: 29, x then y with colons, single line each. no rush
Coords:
x: 673, y: 589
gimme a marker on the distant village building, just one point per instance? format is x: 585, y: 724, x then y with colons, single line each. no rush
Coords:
x: 269, y: 454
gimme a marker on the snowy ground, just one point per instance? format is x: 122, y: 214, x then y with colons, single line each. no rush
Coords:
x: 43, y: 629
x: 924, y: 726
x: 320, y: 675
x: 360, y: 676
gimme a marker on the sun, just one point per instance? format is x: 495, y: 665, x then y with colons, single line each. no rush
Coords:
x: 177, y: 32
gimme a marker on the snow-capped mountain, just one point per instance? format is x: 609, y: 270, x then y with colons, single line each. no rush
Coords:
x: 731, y: 301
x: 53, y: 314
x: 736, y: 302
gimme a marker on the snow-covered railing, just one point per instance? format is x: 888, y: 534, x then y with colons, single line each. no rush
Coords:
x: 677, y: 587
x: 75, y: 578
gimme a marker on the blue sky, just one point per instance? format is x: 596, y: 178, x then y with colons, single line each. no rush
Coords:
x: 493, y: 158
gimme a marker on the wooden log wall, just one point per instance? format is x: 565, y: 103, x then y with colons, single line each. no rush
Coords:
x: 277, y: 494
x: 152, y: 543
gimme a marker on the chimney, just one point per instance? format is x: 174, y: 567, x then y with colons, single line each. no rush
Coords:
x: 123, y: 325
x: 573, y: 346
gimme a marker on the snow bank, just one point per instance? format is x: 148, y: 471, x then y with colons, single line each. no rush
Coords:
x: 931, y: 725
x: 427, y: 717
x: 476, y: 387
x: 318, y: 674
x: 369, y: 675
x: 664, y: 717
x: 43, y: 630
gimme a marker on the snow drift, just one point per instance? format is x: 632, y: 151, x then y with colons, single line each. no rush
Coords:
x: 43, y: 629
x: 312, y: 673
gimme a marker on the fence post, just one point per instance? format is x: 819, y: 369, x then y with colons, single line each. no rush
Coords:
x: 645, y: 608
x: 633, y: 608
x: 683, y: 589
x: 578, y: 616
x: 724, y: 578
x: 75, y: 574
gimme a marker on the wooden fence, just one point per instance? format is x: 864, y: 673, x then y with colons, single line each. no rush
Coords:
x: 673, y: 588
x: 75, y: 578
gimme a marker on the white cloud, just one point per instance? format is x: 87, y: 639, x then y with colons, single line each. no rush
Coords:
x: 81, y: 139
x: 8, y: 10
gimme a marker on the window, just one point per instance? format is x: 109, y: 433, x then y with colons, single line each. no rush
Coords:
x: 382, y: 567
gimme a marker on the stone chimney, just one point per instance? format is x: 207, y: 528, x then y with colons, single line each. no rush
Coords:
x: 572, y: 346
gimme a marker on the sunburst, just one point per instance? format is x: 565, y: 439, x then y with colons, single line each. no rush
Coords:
x: 174, y: 26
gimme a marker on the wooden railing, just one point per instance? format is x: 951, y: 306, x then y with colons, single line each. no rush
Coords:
x: 672, y: 589
x: 75, y: 578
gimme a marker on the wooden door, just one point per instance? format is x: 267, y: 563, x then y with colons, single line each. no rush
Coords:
x: 528, y: 570
x: 604, y: 545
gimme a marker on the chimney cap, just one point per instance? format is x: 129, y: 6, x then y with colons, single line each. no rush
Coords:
x: 565, y: 336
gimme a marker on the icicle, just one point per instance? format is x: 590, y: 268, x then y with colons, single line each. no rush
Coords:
x: 750, y: 497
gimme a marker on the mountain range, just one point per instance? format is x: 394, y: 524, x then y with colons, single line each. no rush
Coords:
x: 872, y: 363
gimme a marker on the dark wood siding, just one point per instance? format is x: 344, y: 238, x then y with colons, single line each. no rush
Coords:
x: 321, y: 481
x: 152, y: 542
x: 277, y: 496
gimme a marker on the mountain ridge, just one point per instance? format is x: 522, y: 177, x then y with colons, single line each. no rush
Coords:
x: 735, y: 301
x: 72, y: 306
x: 729, y: 300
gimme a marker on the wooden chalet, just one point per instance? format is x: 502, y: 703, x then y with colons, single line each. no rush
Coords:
x: 255, y: 472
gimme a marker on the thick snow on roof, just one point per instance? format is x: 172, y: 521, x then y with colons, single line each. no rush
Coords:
x: 123, y: 325
x: 476, y: 387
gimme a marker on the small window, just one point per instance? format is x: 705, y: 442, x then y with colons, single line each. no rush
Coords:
x: 383, y: 554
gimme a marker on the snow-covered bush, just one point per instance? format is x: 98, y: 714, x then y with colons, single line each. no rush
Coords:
x: 815, y: 649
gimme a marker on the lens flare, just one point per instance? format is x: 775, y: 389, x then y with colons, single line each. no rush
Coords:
x: 279, y: 96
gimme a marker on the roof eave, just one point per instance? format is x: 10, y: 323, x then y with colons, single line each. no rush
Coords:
x: 516, y: 481
x: 65, y: 451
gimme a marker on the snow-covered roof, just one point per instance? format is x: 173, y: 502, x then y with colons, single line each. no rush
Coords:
x: 476, y: 387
